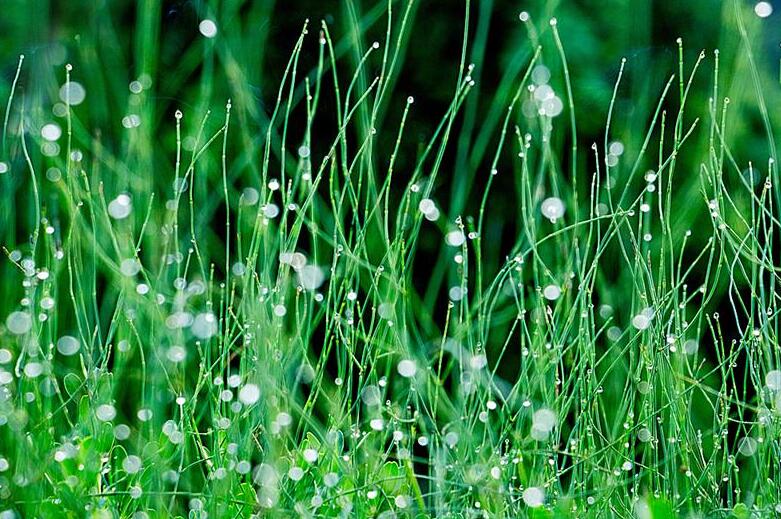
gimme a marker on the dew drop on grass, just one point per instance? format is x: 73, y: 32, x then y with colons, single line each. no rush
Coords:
x: 641, y: 321
x: 311, y: 277
x: 204, y: 325
x: 534, y: 497
x: 552, y: 208
x: 131, y: 121
x: 121, y: 207
x: 371, y: 396
x: 33, y: 369
x: 644, y: 435
x: 106, y: 412
x: 3, y: 167
x: 552, y: 106
x: 295, y: 473
x: 51, y: 132
x: 540, y: 75
x: 208, y: 28
x: 132, y: 464
x: 121, y: 432
x: 455, y: 238
x: 68, y: 345
x: 616, y: 148
x: 249, y: 394
x: 284, y: 419
x: 426, y: 206
x: 130, y: 267
x: 451, y: 439
x: 407, y: 368
x: 543, y: 422
x: 310, y: 455
x: 747, y: 446
x: 456, y: 293
x: 270, y: 211
x: 551, y: 292
x: 72, y: 93
x: 19, y: 323
x: 773, y: 380
x: 377, y: 424
x: 478, y: 361
x: 385, y: 311
x: 763, y: 9
x: 280, y: 310
x: 176, y: 354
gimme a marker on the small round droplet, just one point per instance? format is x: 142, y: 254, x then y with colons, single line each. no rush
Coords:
x: 763, y: 9
x: 132, y: 464
x: 407, y: 368
x: 773, y: 380
x: 551, y: 292
x: 208, y: 28
x: 106, y: 412
x: 51, y: 132
x: 19, y: 323
x: 249, y: 394
x: 72, y: 93
x: 68, y: 345
x: 552, y: 208
x: 534, y: 497
x: 455, y: 238
x: 120, y: 207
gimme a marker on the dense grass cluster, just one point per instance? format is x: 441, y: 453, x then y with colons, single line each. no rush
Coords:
x: 293, y: 318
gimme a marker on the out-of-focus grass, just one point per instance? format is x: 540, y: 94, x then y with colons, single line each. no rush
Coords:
x: 280, y: 271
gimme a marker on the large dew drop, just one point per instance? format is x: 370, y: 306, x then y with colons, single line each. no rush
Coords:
x: 19, y: 323
x: 68, y: 345
x: 72, y: 93
x: 552, y: 208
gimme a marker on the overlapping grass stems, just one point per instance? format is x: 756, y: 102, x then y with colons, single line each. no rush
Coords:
x: 288, y: 363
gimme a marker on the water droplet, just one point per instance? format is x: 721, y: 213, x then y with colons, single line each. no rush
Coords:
x: 534, y: 497
x: 551, y: 292
x: 310, y: 455
x: 204, y: 325
x: 106, y: 412
x: 72, y: 93
x: 773, y: 380
x: 407, y: 368
x: 120, y: 207
x: 51, y: 132
x: 249, y: 394
x: 552, y: 208
x: 68, y: 345
x: 763, y: 9
x: 19, y: 323
x: 455, y: 238
x: 208, y: 28
x: 132, y: 464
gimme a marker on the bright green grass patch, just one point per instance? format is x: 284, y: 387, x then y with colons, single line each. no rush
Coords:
x: 303, y: 310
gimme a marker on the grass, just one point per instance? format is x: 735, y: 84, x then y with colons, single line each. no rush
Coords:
x: 298, y: 308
